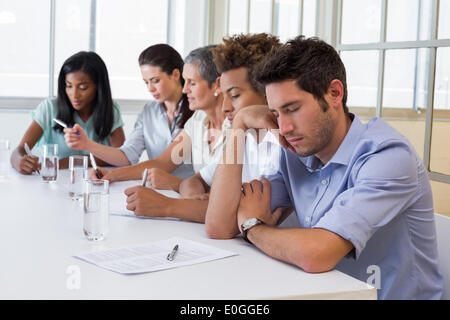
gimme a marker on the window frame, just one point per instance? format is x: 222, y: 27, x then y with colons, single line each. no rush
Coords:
x: 17, y: 103
x: 274, y: 17
x: 382, y: 46
x: 328, y: 26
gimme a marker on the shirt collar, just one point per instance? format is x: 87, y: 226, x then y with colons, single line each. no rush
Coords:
x: 162, y: 108
x: 162, y: 111
x: 345, y: 150
x: 77, y: 119
x: 221, y: 140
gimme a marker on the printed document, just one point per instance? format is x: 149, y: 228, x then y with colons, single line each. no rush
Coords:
x: 153, y: 256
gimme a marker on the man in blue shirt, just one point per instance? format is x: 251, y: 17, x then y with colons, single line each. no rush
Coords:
x: 360, y: 191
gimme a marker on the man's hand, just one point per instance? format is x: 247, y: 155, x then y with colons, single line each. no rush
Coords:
x: 259, y: 117
x: 256, y: 117
x: 160, y: 179
x: 255, y: 203
x: 194, y: 188
x: 146, y: 202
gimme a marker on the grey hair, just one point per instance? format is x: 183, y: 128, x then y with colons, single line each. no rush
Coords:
x: 203, y: 59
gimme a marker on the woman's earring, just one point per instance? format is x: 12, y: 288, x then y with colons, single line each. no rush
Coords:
x: 216, y: 94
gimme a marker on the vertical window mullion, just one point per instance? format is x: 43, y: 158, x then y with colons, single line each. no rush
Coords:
x: 382, y: 58
x: 248, y: 15
x: 275, y: 15
x: 93, y: 26
x: 169, y: 27
x: 209, y: 16
x: 430, y: 89
x: 228, y: 18
x: 51, y: 69
x: 416, y: 70
x: 339, y: 24
x: 300, y: 21
x: 318, y: 12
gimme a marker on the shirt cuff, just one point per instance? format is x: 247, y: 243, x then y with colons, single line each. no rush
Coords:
x: 131, y: 154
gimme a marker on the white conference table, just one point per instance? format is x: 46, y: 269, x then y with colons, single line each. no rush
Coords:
x: 41, y: 230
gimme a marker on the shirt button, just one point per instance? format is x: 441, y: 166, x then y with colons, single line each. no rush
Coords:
x: 324, y: 181
x: 308, y: 219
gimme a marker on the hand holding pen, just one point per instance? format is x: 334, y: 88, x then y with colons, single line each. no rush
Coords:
x: 94, y: 165
x: 105, y: 174
x: 29, y: 163
x: 64, y: 125
x: 77, y: 139
x: 144, y: 177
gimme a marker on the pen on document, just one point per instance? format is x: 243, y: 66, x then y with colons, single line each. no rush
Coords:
x: 172, y: 254
x: 28, y: 151
x: 63, y: 124
x: 144, y: 177
x: 94, y: 165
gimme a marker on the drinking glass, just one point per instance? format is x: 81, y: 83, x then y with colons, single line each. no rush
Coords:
x: 95, y: 209
x: 4, y: 158
x: 78, y: 170
x: 50, y: 164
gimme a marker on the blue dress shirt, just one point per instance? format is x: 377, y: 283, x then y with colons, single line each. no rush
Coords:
x: 153, y: 134
x: 375, y: 193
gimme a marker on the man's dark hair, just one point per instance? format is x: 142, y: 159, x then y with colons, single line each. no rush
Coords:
x: 244, y: 50
x: 311, y: 62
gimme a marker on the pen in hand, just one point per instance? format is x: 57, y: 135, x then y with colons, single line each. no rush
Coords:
x: 94, y: 165
x: 28, y: 151
x: 171, y: 255
x: 144, y: 177
x: 64, y: 125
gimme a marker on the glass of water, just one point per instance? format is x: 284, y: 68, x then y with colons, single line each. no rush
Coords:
x: 96, y: 209
x: 4, y: 158
x: 50, y: 164
x: 78, y: 170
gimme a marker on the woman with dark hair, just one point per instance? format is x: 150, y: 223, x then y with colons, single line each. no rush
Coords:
x: 84, y: 102
x: 160, y: 121
x: 203, y: 135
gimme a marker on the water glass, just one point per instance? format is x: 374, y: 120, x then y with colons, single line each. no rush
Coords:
x: 96, y: 209
x: 78, y: 170
x: 4, y: 158
x: 50, y: 164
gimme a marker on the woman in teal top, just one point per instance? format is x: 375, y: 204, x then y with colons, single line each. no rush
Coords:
x: 84, y: 98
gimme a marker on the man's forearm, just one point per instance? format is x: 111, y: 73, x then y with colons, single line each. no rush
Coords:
x: 313, y: 250
x: 188, y: 209
x: 191, y: 186
x: 221, y: 216
x: 221, y: 219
